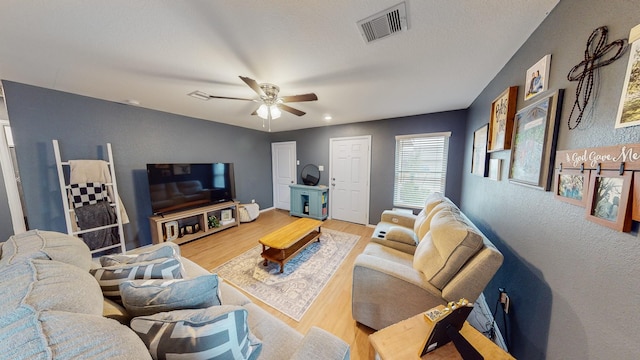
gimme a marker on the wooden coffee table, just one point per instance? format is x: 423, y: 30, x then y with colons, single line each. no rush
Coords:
x: 283, y: 244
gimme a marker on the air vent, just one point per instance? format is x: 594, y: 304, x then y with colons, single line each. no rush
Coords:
x: 384, y: 23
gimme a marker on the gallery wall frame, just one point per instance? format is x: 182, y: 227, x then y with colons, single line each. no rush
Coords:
x: 629, y: 107
x: 479, y: 158
x: 572, y: 186
x: 534, y: 141
x: 495, y: 169
x: 503, y: 110
x: 537, y: 78
x: 608, y: 199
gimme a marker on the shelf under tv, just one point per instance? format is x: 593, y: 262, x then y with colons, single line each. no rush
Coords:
x: 199, y: 215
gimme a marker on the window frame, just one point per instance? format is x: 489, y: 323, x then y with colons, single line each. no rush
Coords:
x: 402, y: 169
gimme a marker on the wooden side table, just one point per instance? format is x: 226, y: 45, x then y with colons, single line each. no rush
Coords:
x: 404, y: 341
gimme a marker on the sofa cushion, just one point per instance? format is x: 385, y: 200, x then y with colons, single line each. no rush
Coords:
x: 154, y: 254
x: 446, y: 247
x: 29, y: 334
x: 217, y: 332
x: 110, y: 277
x: 49, y: 285
x: 433, y: 200
x: 147, y: 297
x: 38, y: 244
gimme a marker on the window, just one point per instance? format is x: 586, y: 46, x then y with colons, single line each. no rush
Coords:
x: 421, y: 168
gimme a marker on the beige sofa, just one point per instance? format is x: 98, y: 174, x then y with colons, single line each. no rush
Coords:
x: 53, y: 308
x: 416, y: 262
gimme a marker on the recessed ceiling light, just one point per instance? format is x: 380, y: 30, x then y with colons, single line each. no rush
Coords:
x: 327, y: 117
x: 132, y: 102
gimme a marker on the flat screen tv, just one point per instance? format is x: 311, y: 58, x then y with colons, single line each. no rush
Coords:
x: 175, y: 187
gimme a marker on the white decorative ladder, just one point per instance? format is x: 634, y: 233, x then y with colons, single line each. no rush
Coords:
x: 115, y: 201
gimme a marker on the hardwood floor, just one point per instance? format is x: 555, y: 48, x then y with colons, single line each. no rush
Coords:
x: 331, y: 310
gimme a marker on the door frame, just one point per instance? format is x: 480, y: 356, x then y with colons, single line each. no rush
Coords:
x: 293, y: 164
x: 368, y: 174
x: 11, y: 183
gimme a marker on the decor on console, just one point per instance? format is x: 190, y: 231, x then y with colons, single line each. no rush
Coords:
x: 534, y: 141
x: 597, y: 48
x: 479, y: 165
x: 304, y: 277
x: 503, y: 110
x: 629, y: 109
x: 537, y: 79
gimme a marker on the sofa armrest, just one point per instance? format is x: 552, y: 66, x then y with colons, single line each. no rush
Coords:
x: 398, y: 218
x: 321, y: 345
x: 386, y: 292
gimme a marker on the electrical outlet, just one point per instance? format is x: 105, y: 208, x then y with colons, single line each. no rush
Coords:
x: 504, y: 300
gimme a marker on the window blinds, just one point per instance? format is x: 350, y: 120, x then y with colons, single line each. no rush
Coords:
x: 421, y: 167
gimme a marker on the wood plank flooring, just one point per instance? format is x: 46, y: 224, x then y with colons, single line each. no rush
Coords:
x: 332, y: 309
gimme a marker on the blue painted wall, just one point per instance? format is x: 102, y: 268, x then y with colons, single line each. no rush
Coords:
x: 574, y: 285
x: 138, y: 136
x: 312, y: 146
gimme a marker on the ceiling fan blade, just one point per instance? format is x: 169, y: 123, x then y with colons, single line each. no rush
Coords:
x: 255, y: 112
x: 228, y: 98
x: 253, y: 84
x: 300, y: 98
x: 291, y: 110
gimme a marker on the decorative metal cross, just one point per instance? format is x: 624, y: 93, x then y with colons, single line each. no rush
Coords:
x: 583, y: 73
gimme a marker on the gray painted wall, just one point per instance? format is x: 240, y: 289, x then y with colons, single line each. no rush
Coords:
x: 138, y: 136
x: 574, y: 285
x: 312, y: 146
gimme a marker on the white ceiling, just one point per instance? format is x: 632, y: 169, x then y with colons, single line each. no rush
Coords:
x: 158, y: 51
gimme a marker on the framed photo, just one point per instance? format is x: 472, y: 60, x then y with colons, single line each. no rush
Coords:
x: 503, y: 110
x: 537, y: 80
x: 479, y: 165
x: 629, y: 108
x: 495, y: 166
x: 572, y: 186
x: 225, y: 215
x: 534, y: 142
x: 609, y: 199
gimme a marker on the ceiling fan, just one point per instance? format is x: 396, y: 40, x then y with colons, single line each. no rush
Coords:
x: 271, y: 104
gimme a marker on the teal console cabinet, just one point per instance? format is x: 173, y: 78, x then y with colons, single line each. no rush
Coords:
x: 309, y: 201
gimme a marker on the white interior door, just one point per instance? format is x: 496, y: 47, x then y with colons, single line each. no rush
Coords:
x: 349, y: 178
x: 283, y: 162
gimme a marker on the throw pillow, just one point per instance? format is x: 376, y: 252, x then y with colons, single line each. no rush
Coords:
x: 217, y: 332
x: 449, y: 244
x: 29, y: 334
x: 147, y: 297
x: 110, y: 277
x: 49, y: 285
x: 158, y: 253
x: 38, y: 244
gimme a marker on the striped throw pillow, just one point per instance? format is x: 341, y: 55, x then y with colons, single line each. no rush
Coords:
x: 110, y: 277
x: 217, y: 332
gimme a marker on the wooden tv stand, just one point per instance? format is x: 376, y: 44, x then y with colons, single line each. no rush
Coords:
x: 198, y: 216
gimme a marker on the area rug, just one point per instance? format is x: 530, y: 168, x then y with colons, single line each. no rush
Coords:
x: 304, y: 277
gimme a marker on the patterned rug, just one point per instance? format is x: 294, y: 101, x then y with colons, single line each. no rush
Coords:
x: 304, y: 277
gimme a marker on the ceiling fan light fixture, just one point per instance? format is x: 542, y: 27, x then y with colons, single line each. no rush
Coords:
x: 264, y: 110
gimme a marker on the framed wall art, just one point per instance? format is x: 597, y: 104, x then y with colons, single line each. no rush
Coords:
x: 495, y: 169
x: 479, y: 165
x: 503, y: 110
x: 629, y: 108
x: 609, y: 199
x: 537, y: 78
x: 572, y: 186
x: 534, y: 142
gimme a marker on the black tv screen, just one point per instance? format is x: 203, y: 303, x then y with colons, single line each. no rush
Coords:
x: 175, y: 187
